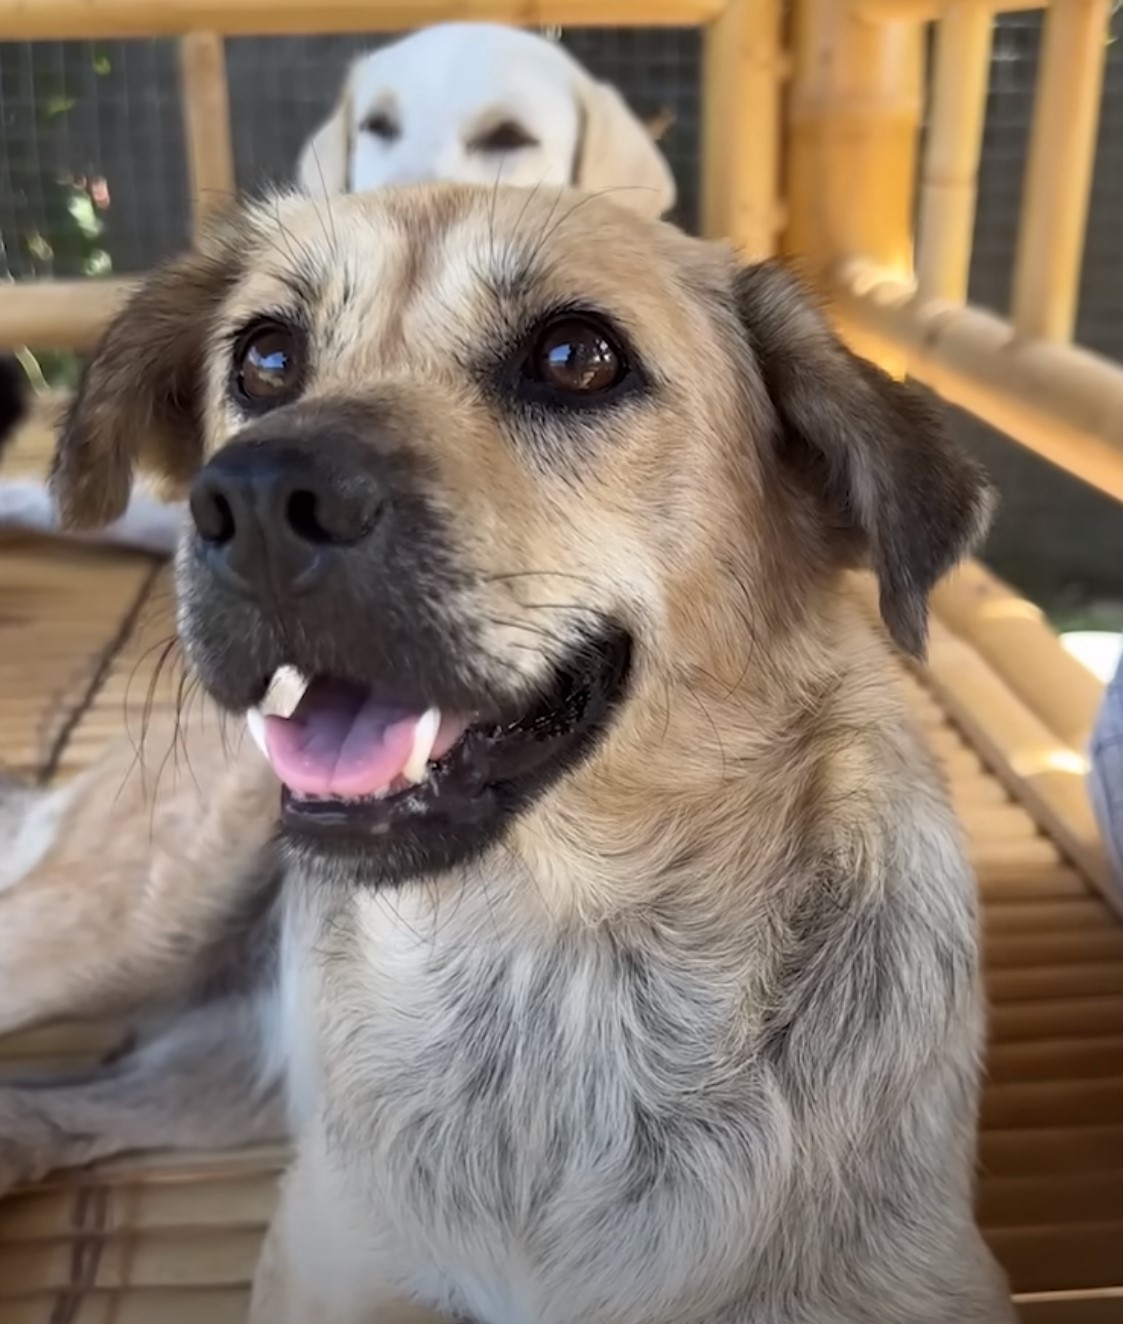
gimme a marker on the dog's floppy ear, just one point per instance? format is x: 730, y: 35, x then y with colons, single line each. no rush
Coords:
x: 895, y: 491
x: 324, y: 164
x: 617, y: 153
x: 139, y: 400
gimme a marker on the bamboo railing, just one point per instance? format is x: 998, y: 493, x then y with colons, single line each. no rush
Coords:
x: 854, y: 185
x: 852, y: 159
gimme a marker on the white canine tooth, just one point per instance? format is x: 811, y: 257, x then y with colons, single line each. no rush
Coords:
x: 285, y: 692
x: 424, y: 738
x: 255, y: 721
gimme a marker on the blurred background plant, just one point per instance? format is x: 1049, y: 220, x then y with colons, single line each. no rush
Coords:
x: 67, y: 236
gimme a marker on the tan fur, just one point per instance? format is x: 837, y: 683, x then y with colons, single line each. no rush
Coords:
x: 761, y: 830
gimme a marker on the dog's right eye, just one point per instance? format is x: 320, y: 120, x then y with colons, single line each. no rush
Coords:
x: 381, y: 126
x: 576, y: 355
x: 505, y: 137
x: 268, y: 365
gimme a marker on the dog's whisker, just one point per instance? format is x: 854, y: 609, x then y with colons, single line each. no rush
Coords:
x: 329, y: 228
x: 385, y: 901
x: 538, y: 245
x: 284, y: 235
x: 167, y: 658
x: 224, y: 733
x: 576, y: 609
x: 540, y: 574
x: 491, y: 220
x: 550, y: 230
x: 557, y: 641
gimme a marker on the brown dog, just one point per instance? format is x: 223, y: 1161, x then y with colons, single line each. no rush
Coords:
x: 618, y: 950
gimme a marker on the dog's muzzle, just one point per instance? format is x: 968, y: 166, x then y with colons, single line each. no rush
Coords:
x: 323, y: 596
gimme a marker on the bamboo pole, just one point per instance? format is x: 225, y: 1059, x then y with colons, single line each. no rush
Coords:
x: 951, y: 160
x: 1043, y: 773
x: 741, y: 79
x: 29, y: 20
x: 927, y: 11
x: 1014, y: 638
x: 206, y: 122
x: 854, y: 115
x: 1062, y: 402
x: 59, y: 314
x: 1059, y: 173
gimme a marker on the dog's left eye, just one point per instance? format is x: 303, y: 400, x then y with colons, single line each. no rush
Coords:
x: 505, y: 137
x: 576, y: 356
x: 268, y: 364
x: 381, y: 125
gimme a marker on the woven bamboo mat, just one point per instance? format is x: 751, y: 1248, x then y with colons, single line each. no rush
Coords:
x: 64, y: 614
x: 173, y: 1241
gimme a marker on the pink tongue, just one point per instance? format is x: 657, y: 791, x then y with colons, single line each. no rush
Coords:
x: 340, y: 743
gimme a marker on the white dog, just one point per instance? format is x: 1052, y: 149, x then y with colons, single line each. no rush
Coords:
x: 464, y: 102
x: 477, y: 103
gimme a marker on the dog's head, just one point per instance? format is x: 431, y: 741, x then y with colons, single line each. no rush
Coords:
x: 479, y: 103
x: 500, y: 473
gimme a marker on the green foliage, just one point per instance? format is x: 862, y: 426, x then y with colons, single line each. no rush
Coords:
x: 69, y: 241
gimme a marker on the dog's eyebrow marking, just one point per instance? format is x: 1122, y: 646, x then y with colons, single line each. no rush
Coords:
x: 302, y: 284
x: 418, y: 245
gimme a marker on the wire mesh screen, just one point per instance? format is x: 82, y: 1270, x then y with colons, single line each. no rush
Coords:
x: 92, y: 164
x: 1017, y: 44
x: 1055, y: 538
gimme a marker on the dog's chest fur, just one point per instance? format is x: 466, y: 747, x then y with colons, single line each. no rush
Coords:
x: 554, y: 1121
x: 504, y: 1092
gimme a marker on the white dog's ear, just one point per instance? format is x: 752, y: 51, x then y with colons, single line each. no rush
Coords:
x: 617, y: 153
x: 324, y: 164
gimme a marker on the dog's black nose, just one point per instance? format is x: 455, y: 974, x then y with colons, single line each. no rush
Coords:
x: 276, y: 517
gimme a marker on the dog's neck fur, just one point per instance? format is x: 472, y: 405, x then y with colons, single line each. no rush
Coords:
x: 704, y: 747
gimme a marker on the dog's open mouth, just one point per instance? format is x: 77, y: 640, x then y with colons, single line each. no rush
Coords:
x: 352, y: 764
x: 338, y: 742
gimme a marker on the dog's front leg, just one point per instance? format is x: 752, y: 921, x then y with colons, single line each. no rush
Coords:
x: 199, y: 1084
